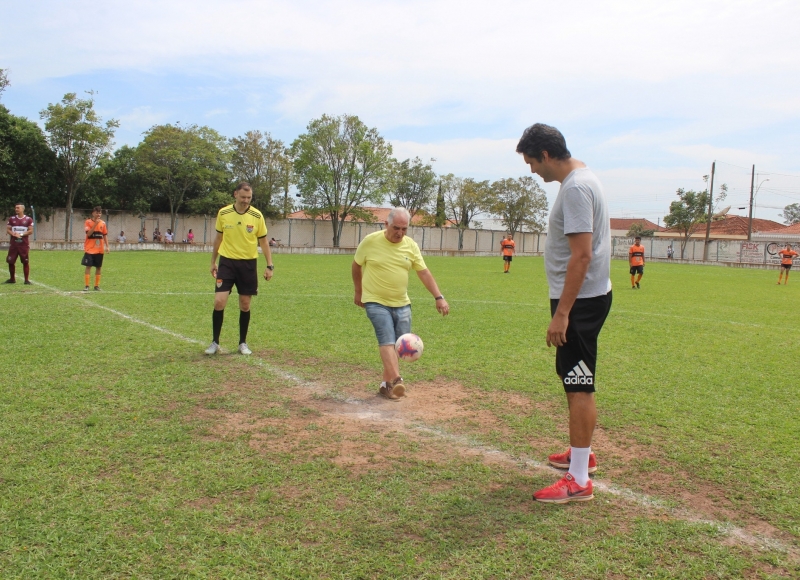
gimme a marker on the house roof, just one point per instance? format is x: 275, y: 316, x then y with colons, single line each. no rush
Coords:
x: 792, y: 229
x: 626, y: 223
x: 381, y: 215
x: 733, y: 225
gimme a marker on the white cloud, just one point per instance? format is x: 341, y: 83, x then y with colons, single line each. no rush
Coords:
x: 647, y: 93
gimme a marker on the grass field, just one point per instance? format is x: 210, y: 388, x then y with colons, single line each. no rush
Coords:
x: 127, y: 453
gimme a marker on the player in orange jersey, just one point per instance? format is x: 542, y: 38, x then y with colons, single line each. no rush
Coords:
x: 787, y: 255
x: 93, y: 246
x: 508, y: 246
x: 636, y: 261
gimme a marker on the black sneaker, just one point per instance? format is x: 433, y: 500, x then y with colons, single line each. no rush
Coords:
x: 10, y: 281
x: 637, y: 286
x: 28, y: 283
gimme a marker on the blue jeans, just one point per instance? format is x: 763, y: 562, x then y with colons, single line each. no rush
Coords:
x: 390, y: 323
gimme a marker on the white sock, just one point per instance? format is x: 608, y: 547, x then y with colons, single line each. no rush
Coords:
x: 579, y: 464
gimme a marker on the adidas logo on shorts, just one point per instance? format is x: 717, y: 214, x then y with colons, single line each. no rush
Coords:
x: 579, y: 375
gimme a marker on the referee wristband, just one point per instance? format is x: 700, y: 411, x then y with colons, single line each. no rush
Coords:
x: 439, y: 297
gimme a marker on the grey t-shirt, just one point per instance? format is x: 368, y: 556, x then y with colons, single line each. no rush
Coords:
x: 580, y: 207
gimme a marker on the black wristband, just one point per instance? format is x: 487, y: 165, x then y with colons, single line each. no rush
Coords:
x: 439, y: 297
x: 270, y: 267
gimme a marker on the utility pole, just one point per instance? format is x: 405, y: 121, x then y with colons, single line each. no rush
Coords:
x: 750, y: 219
x: 710, y: 209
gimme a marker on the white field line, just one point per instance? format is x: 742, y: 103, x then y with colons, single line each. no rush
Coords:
x: 372, y: 415
x: 638, y: 313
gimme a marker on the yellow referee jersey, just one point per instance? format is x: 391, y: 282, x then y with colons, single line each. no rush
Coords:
x: 240, y: 232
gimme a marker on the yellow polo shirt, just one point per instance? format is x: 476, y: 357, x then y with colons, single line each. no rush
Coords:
x: 240, y: 232
x: 385, y: 267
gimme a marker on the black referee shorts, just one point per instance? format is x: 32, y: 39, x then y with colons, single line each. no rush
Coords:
x: 577, y: 359
x: 240, y: 273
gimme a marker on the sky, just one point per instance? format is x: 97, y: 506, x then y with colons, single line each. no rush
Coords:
x: 648, y: 94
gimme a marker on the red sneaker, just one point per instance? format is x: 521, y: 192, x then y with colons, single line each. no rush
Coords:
x: 561, y: 460
x: 564, y: 490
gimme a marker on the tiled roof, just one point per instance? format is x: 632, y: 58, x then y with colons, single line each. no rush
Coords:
x: 733, y: 225
x: 792, y: 229
x: 381, y: 214
x: 626, y: 223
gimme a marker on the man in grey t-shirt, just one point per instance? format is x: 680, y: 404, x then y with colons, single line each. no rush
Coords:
x: 578, y: 266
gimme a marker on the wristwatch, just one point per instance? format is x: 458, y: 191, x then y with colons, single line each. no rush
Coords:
x: 270, y: 267
x: 439, y: 297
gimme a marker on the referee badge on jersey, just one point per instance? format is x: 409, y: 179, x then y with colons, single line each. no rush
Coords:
x: 219, y: 283
x: 250, y: 228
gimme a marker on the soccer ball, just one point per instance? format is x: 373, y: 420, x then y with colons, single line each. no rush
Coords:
x: 409, y: 347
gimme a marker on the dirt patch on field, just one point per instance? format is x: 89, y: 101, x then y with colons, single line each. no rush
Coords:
x: 437, y: 421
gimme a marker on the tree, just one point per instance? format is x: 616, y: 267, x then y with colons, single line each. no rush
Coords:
x: 791, y: 214
x: 79, y: 139
x: 183, y: 163
x: 118, y: 183
x: 261, y: 161
x: 3, y: 80
x: 441, y: 214
x: 463, y: 200
x: 637, y: 229
x: 520, y: 203
x: 341, y: 164
x: 413, y: 185
x: 28, y: 169
x: 687, y: 213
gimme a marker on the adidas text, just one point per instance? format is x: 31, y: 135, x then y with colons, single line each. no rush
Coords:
x: 578, y: 380
x: 579, y: 375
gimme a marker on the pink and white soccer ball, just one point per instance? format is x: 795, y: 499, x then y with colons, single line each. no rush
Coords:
x: 409, y: 347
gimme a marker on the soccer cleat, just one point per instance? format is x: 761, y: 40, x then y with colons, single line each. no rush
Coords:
x: 85, y: 288
x: 637, y: 285
x: 97, y: 288
x: 28, y: 283
x: 213, y: 348
x: 562, y: 460
x: 10, y: 281
x: 565, y: 490
x: 243, y: 349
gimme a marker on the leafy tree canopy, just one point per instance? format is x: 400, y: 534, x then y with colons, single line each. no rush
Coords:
x: 791, y: 214
x: 340, y: 165
x: 28, y: 169
x: 521, y: 204
x: 182, y: 163
x: 414, y: 185
x: 80, y: 140
x: 686, y: 213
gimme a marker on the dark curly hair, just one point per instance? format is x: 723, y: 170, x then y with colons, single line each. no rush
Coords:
x: 541, y: 137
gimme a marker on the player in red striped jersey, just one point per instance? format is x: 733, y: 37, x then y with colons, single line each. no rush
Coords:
x: 19, y: 227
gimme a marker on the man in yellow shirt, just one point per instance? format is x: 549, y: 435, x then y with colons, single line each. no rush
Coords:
x: 240, y: 230
x: 380, y: 277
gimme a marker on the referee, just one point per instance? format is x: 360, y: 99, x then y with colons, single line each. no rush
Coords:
x: 240, y: 230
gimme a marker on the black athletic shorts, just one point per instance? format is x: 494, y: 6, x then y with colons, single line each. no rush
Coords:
x: 637, y: 270
x: 786, y: 266
x: 507, y: 258
x: 15, y: 250
x: 577, y: 359
x: 92, y: 260
x: 242, y: 273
